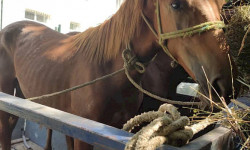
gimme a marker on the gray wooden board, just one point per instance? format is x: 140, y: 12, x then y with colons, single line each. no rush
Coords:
x: 219, y: 138
x: 89, y: 131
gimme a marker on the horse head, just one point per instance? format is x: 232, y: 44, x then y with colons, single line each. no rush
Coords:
x: 190, y: 32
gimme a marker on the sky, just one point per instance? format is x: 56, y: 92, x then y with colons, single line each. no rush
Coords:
x: 87, y: 12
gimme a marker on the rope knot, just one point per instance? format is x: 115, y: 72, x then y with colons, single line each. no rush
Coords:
x: 131, y: 62
x: 167, y: 126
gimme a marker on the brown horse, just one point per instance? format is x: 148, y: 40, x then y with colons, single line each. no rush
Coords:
x: 44, y: 61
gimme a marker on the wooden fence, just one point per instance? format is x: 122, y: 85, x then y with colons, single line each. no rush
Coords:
x: 95, y: 133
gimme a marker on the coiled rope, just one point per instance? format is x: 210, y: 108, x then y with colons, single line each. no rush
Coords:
x: 166, y: 126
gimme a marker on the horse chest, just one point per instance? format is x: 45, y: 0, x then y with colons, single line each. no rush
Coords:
x: 106, y: 103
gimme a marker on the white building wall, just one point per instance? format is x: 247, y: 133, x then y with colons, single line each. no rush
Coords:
x: 12, y: 14
x: 86, y: 12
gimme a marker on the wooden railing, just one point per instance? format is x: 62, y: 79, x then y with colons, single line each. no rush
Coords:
x: 89, y: 131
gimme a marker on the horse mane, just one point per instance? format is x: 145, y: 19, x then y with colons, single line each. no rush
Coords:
x: 102, y: 43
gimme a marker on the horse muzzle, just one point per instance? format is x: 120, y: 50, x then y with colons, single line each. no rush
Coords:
x: 220, y: 89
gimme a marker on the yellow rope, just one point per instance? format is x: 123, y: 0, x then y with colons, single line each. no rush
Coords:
x: 194, y: 30
x: 158, y: 97
x: 76, y: 87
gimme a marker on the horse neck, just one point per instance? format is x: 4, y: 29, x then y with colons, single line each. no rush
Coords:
x: 105, y: 42
x: 143, y: 45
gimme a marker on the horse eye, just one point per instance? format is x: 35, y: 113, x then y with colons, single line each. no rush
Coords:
x: 176, y: 5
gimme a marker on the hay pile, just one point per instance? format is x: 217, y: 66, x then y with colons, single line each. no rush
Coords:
x: 238, y: 38
x: 236, y: 118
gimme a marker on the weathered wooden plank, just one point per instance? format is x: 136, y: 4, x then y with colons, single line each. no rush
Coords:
x: 86, y: 130
x: 218, y: 138
x: 81, y: 128
x: 97, y: 134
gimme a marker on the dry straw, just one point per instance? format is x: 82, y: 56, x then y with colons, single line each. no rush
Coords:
x: 238, y: 38
x: 236, y: 118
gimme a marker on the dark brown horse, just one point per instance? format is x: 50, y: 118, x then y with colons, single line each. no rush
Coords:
x: 44, y: 61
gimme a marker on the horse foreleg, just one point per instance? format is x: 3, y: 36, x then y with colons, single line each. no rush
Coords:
x: 79, y: 145
x: 7, y: 78
x: 7, y: 121
x: 48, y: 140
x: 70, y: 142
x: 7, y: 124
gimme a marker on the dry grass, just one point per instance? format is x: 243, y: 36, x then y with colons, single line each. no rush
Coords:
x: 233, y: 118
x: 236, y: 118
x: 238, y: 38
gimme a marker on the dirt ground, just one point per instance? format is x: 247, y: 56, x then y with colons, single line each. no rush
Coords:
x: 18, y: 145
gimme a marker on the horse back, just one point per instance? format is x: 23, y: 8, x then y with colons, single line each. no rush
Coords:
x: 41, y: 59
x: 25, y: 34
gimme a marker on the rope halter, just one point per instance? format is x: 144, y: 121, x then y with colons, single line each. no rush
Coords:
x: 203, y: 27
x: 131, y: 62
